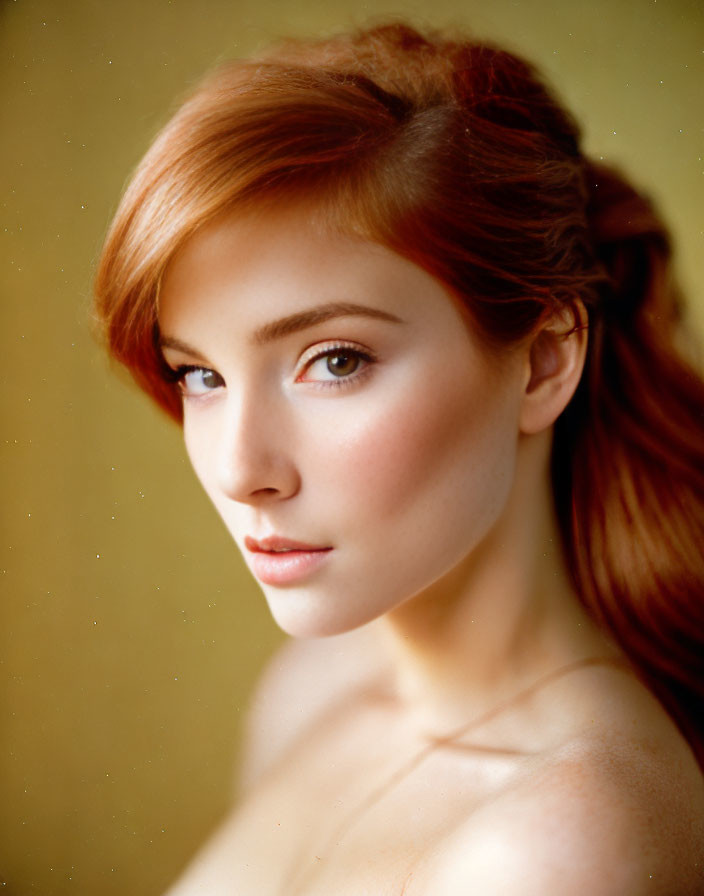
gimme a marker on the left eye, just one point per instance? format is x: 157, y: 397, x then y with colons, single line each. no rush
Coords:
x: 335, y: 364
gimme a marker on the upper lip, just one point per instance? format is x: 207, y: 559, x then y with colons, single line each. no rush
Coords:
x: 279, y: 543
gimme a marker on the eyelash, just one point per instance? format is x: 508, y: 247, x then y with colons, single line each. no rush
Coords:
x: 330, y: 351
x: 178, y: 374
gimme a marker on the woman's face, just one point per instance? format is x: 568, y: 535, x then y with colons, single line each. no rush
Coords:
x: 355, y: 437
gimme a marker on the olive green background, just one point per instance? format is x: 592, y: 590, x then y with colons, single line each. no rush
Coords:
x: 130, y: 634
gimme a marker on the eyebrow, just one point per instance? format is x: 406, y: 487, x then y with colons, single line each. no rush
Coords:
x: 302, y: 320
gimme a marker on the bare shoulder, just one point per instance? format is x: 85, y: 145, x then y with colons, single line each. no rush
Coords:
x: 305, y: 682
x: 616, y: 815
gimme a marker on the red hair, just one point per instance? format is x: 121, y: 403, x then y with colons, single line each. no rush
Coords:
x: 455, y: 155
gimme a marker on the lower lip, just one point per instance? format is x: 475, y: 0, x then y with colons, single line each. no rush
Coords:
x: 286, y: 567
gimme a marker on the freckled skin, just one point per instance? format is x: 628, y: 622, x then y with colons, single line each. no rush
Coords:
x: 402, y: 472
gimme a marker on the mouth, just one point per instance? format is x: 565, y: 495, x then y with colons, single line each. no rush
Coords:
x: 282, y: 561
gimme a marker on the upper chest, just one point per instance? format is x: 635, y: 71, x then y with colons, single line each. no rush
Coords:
x: 358, y: 807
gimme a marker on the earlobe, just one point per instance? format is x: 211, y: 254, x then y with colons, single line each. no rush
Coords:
x: 554, y: 366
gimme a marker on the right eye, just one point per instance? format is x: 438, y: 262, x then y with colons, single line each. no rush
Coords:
x: 196, y: 381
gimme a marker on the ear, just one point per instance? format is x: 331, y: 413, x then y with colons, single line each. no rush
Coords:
x: 553, y: 368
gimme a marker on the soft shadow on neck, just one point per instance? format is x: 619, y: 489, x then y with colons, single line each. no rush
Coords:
x: 502, y: 619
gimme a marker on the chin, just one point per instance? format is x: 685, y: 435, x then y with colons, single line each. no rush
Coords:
x: 302, y: 614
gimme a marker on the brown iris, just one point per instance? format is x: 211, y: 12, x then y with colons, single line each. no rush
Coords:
x: 211, y: 379
x: 342, y: 363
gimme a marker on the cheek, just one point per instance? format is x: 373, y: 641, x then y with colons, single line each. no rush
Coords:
x: 195, y: 440
x: 200, y: 440
x: 440, y: 457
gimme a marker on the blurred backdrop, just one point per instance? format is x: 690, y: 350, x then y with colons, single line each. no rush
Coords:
x: 130, y: 636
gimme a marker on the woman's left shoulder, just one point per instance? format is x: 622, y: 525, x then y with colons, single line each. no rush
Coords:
x: 618, y: 816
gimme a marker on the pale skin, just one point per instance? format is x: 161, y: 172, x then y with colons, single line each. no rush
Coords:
x: 385, y: 432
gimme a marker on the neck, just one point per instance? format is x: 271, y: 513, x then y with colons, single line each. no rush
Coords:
x: 500, y: 621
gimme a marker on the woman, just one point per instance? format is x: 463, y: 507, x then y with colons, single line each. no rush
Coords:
x: 423, y: 354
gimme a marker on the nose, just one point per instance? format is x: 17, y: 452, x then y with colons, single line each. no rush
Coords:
x: 254, y: 457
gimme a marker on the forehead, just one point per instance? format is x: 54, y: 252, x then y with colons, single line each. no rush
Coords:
x: 248, y: 268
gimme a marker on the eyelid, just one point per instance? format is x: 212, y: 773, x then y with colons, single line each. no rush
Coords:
x: 322, y: 349
x: 176, y: 372
x: 178, y: 375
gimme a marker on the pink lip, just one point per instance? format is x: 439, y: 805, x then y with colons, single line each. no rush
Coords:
x: 282, y: 561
